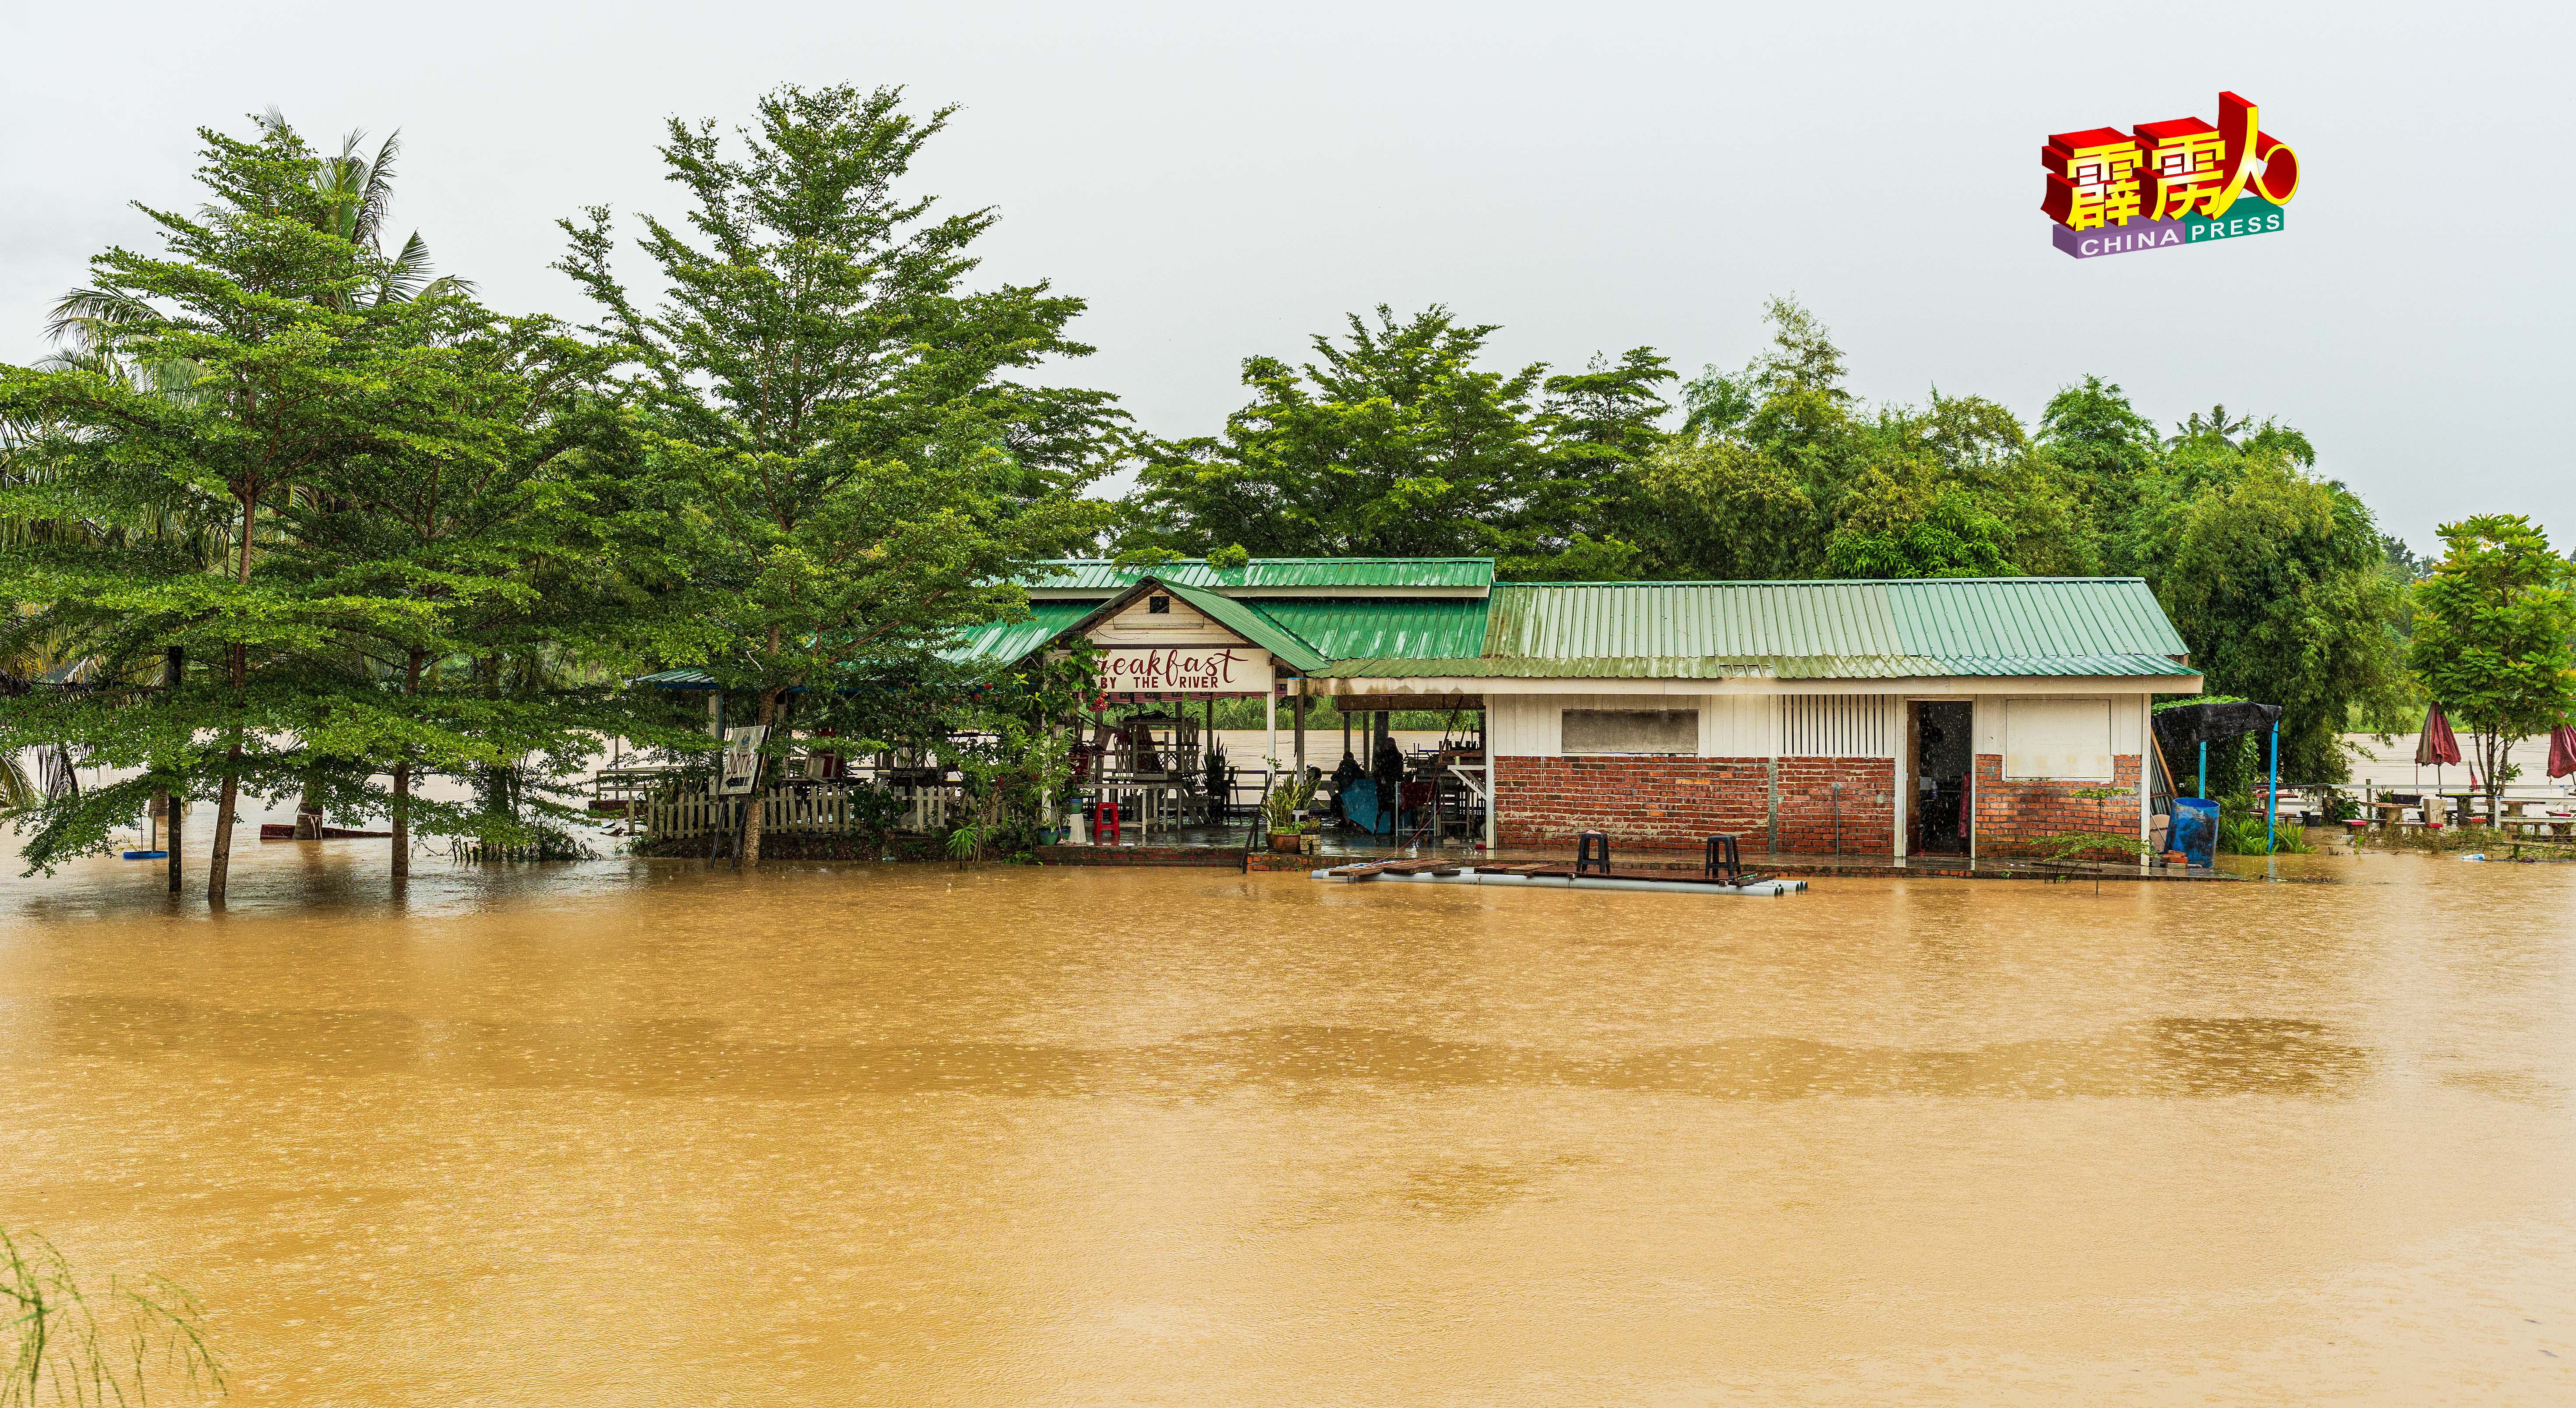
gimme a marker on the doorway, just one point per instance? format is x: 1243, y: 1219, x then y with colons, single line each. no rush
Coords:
x: 1944, y: 754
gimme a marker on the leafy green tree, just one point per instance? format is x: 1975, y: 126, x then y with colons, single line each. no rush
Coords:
x: 1898, y: 527
x: 2001, y: 488
x: 218, y: 382
x: 1702, y: 507
x: 2092, y: 430
x: 2492, y: 630
x: 2276, y: 581
x: 1779, y: 471
x: 866, y: 476
x: 538, y: 557
x: 1394, y: 442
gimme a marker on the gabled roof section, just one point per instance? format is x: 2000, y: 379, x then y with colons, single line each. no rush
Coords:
x: 1279, y: 576
x: 1242, y: 618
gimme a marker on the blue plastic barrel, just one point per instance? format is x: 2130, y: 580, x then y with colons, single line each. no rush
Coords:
x: 2195, y: 830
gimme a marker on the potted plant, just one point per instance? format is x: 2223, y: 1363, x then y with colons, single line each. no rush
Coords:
x: 1281, y: 811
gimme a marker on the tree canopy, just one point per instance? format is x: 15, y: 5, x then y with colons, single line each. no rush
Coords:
x: 2492, y: 632
x: 1393, y: 442
x: 1396, y: 440
x: 866, y: 474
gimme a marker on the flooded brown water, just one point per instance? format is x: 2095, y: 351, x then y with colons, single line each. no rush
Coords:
x: 631, y: 1133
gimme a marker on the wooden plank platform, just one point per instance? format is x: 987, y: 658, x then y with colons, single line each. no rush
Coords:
x: 285, y: 831
x: 1670, y: 875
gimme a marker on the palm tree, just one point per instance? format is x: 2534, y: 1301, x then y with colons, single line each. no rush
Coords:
x: 2216, y: 427
x: 358, y: 194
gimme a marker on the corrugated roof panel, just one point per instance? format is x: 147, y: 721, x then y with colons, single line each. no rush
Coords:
x: 1002, y: 642
x: 1782, y: 667
x: 1561, y: 621
x: 685, y: 678
x: 1654, y: 630
x: 1955, y: 618
x: 1275, y: 573
x: 1403, y: 629
x: 2042, y: 616
x: 1246, y: 620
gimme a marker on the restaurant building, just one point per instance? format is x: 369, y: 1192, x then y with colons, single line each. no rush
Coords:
x: 1976, y: 716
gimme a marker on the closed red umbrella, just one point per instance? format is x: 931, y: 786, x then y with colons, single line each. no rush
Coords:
x: 2562, y: 750
x: 2436, y: 745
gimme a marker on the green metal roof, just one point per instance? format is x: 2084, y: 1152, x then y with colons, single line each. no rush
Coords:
x: 1002, y: 642
x: 2030, y: 616
x: 1402, y: 629
x: 1274, y: 574
x: 685, y: 678
x: 1776, y: 667
x: 1813, y: 630
x: 1992, y: 627
x: 1248, y: 621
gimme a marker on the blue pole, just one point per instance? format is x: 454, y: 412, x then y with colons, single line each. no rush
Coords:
x: 2204, y: 770
x: 2272, y: 795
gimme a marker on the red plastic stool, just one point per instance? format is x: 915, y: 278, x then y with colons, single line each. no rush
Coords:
x: 1104, y: 822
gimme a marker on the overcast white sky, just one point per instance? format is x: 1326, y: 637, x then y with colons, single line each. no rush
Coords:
x: 1225, y: 180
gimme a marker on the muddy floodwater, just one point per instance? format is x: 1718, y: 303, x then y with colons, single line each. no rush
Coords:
x: 632, y: 1133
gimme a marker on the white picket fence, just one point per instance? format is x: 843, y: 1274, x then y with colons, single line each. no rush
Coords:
x: 825, y: 810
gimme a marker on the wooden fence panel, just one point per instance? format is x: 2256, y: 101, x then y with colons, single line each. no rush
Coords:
x: 800, y: 811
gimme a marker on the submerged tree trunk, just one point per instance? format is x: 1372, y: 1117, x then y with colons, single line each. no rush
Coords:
x: 2497, y: 747
x: 219, y: 865
x: 227, y: 799
x: 750, y: 853
x: 173, y: 665
x: 401, y: 858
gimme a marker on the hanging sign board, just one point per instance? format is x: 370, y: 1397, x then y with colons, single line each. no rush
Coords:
x: 741, y: 757
x: 1185, y: 669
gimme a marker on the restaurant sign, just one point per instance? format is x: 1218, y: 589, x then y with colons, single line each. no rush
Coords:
x: 1185, y: 669
x: 2167, y: 183
x: 741, y: 760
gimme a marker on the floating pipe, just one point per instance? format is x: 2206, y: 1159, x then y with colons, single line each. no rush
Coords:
x: 1469, y: 876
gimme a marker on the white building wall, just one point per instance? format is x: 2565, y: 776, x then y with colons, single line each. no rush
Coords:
x: 1840, y: 725
x: 1738, y: 725
x: 1533, y: 725
x: 1139, y: 625
x: 1743, y: 725
x: 2128, y: 721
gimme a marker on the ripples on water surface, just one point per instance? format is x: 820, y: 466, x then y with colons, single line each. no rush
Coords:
x: 633, y: 1133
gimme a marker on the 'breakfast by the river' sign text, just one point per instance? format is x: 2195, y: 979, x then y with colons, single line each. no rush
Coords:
x: 1169, y: 669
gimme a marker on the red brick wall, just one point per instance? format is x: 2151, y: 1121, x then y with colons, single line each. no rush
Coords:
x: 1678, y: 801
x: 2011, y: 816
x: 1809, y: 809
